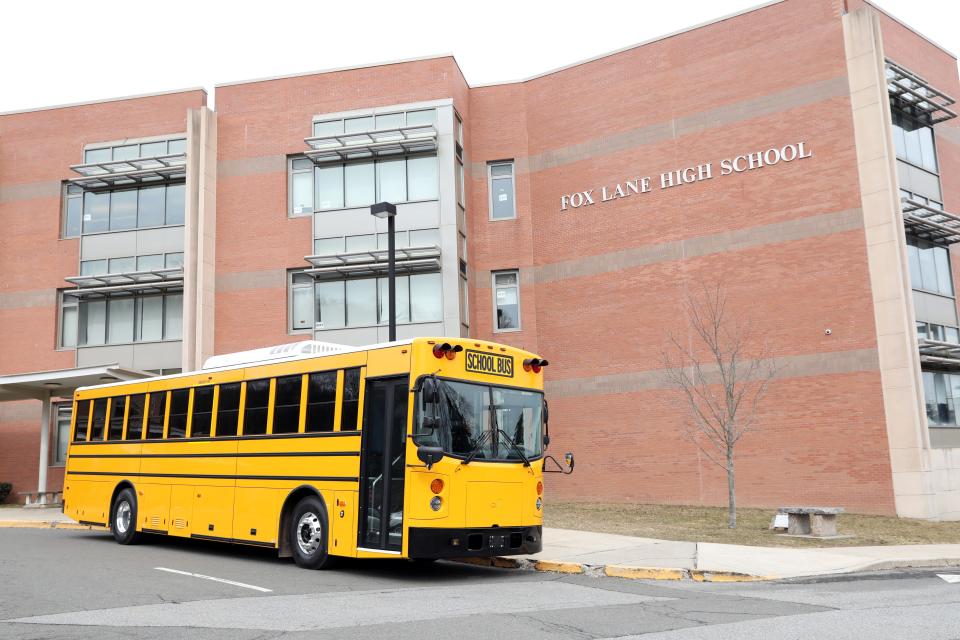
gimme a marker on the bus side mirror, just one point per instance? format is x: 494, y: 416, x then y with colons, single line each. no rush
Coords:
x: 429, y: 455
x: 546, y: 440
x: 428, y: 423
x: 568, y: 458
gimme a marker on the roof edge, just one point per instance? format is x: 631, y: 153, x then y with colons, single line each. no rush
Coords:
x: 672, y: 34
x: 369, y: 65
x: 102, y: 101
x: 906, y: 26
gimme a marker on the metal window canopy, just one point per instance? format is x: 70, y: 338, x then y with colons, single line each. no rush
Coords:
x: 941, y: 354
x: 929, y: 223
x: 373, y: 263
x: 916, y: 96
x: 138, y: 171
x: 121, y: 284
x: 371, y: 144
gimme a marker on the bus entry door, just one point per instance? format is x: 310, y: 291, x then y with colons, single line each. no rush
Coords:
x: 383, y: 464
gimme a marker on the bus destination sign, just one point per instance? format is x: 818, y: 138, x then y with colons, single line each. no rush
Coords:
x: 489, y: 363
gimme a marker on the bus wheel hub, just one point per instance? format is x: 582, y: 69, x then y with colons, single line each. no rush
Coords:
x: 310, y: 533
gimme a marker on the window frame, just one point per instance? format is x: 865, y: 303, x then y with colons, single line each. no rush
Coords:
x: 493, y: 286
x: 513, y: 187
x: 56, y: 409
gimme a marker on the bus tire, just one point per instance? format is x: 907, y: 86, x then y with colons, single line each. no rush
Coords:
x: 123, y: 518
x: 309, y: 534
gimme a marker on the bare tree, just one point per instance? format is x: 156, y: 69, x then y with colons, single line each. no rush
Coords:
x: 722, y: 374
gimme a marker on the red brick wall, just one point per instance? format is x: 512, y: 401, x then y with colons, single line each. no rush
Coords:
x: 821, y: 438
x: 35, y: 156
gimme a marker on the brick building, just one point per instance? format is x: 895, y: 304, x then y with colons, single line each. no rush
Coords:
x: 804, y: 153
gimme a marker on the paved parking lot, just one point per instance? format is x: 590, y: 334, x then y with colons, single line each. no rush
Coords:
x: 80, y: 584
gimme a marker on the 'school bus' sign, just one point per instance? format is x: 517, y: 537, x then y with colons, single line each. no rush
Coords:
x: 687, y: 175
x: 489, y: 363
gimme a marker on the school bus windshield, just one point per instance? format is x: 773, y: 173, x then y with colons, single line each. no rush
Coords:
x: 483, y: 422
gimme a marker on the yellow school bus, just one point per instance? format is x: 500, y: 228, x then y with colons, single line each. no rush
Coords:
x: 423, y: 449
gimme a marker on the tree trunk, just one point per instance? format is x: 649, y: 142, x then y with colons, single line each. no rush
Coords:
x: 731, y: 495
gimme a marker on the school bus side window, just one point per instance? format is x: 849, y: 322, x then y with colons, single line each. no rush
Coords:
x: 351, y: 399
x: 286, y: 404
x: 117, y: 409
x: 255, y: 410
x: 99, y: 418
x: 228, y: 409
x: 179, y: 404
x: 83, y: 419
x: 156, y: 414
x: 321, y: 399
x: 135, y: 417
x: 202, y: 412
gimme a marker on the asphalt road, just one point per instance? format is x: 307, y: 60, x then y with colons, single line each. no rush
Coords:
x: 80, y: 584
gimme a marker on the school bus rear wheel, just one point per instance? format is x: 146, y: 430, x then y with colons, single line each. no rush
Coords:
x: 308, y: 532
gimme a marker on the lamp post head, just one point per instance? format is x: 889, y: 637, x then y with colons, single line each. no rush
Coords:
x: 383, y: 210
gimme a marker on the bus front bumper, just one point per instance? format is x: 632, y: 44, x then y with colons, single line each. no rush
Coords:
x: 473, y: 543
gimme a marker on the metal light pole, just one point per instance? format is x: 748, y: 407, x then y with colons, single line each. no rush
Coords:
x: 389, y: 211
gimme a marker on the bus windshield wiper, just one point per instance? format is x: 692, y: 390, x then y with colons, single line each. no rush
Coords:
x: 516, y: 447
x: 476, y: 447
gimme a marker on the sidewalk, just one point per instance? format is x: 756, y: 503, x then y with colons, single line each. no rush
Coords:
x: 570, y: 551
x: 582, y: 551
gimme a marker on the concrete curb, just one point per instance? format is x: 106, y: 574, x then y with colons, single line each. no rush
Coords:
x: 614, y: 570
x: 46, y: 524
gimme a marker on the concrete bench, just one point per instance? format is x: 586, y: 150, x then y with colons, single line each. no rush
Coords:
x: 41, y: 498
x: 820, y: 522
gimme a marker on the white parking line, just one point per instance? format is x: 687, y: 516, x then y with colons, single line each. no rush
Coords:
x: 200, y: 575
x: 953, y: 579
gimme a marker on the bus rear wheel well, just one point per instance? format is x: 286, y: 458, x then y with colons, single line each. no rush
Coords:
x: 123, y: 484
x: 295, y: 496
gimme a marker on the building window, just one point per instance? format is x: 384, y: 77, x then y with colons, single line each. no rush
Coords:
x: 120, y: 320
x: 929, y: 267
x: 500, y: 179
x: 363, y: 302
x: 98, y: 212
x: 132, y: 151
x: 369, y: 242
x: 360, y: 184
x: 127, y: 264
x: 913, y: 141
x: 938, y: 332
x: 941, y: 392
x: 506, y: 300
x: 62, y: 414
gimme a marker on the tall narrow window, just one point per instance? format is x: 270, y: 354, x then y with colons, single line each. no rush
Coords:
x: 350, y: 407
x: 150, y: 208
x: 360, y: 187
x: 506, y: 297
x: 301, y: 301
x: 176, y: 203
x: 96, y: 212
x: 83, y: 421
x: 117, y: 410
x: 173, y: 316
x: 501, y: 191
x: 135, y: 417
x: 156, y: 415
x: 286, y: 405
x: 422, y: 180
x: 179, y: 406
x: 99, y: 419
x: 202, y: 412
x: 62, y: 413
x: 255, y: 410
x: 228, y: 409
x: 120, y: 330
x: 123, y: 210
x: 301, y: 185
x: 73, y: 212
x: 331, y: 305
x: 329, y: 187
x: 321, y: 398
x: 68, y: 321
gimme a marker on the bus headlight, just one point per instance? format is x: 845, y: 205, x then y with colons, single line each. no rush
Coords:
x: 539, y: 504
x: 436, y: 503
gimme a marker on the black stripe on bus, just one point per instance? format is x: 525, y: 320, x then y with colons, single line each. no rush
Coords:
x: 249, y: 438
x: 259, y: 454
x: 162, y: 532
x: 255, y: 543
x: 213, y: 477
x: 92, y: 524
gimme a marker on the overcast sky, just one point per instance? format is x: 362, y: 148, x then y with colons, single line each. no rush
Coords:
x: 57, y: 52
